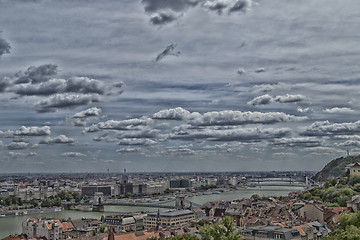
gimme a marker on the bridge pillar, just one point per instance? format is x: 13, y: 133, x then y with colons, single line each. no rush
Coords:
x: 98, y: 204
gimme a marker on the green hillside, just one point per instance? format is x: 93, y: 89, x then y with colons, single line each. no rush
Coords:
x: 336, y: 167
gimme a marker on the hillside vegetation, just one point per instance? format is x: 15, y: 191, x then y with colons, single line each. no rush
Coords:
x: 336, y: 167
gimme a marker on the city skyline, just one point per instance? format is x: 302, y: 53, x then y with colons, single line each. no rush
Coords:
x: 178, y: 85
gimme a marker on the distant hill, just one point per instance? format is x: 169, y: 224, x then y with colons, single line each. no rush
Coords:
x: 336, y: 167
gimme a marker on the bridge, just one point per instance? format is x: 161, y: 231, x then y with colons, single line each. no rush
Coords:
x: 98, y: 204
x: 275, y: 182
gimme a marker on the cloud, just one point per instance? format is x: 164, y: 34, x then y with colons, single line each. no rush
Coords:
x: 338, y: 110
x: 61, y: 139
x: 178, y: 113
x: 65, y: 101
x: 91, y: 112
x: 303, y: 110
x: 216, y: 5
x: 162, y: 18
x: 169, y: 50
x: 38, y: 74
x: 298, y: 142
x: 4, y: 47
x: 136, y: 142
x: 237, y: 134
x: 241, y: 5
x: 130, y: 124
x: 226, y: 117
x: 33, y: 131
x: 18, y: 145
x: 261, y: 100
x: 73, y: 154
x: 73, y: 85
x: 152, y: 6
x: 21, y: 155
x: 128, y: 150
x: 325, y: 128
x: 230, y: 118
x: 267, y: 99
x: 289, y: 98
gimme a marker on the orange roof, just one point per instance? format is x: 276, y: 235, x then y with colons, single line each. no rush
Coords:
x: 301, y: 229
x: 49, y: 223
x: 67, y: 226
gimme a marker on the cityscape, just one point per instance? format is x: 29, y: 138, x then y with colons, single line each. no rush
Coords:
x: 179, y: 120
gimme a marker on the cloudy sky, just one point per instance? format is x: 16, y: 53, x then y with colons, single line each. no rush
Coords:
x: 178, y: 85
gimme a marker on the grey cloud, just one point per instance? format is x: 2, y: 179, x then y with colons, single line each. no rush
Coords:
x: 267, y: 99
x: 4, y: 47
x: 50, y: 87
x: 298, y: 142
x: 261, y: 100
x: 65, y: 101
x: 237, y: 134
x: 18, y: 145
x: 73, y: 154
x: 240, y: 5
x: 136, y: 142
x: 338, y: 110
x: 85, y: 85
x: 174, y: 5
x: 33, y: 131
x: 162, y: 18
x: 128, y: 150
x: 146, y: 133
x: 169, y: 50
x: 303, y: 110
x: 21, y: 155
x: 4, y: 83
x: 91, y: 112
x: 61, y: 139
x: 172, y: 114
x: 73, y: 85
x: 226, y: 117
x: 325, y: 128
x: 39, y: 74
x: 130, y: 124
x: 289, y: 98
x: 216, y: 5
x: 229, y: 117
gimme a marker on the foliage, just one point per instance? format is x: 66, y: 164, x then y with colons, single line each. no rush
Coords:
x: 335, y: 191
x: 224, y: 230
x: 220, y: 231
x: 10, y: 200
x: 349, y: 228
x: 255, y: 196
x: 336, y: 167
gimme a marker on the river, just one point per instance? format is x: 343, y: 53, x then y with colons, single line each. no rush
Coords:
x: 12, y: 225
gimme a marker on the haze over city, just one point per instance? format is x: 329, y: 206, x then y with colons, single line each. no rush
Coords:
x: 180, y: 85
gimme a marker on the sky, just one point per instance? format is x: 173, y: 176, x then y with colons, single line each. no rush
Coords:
x: 178, y: 85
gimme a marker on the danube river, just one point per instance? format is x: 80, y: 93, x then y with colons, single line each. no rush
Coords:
x: 12, y: 225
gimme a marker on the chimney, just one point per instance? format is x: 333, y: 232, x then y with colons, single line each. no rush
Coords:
x: 111, y: 234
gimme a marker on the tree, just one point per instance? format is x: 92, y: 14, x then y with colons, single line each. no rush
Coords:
x: 220, y: 231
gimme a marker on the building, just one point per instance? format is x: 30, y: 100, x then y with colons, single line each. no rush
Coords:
x: 51, y: 229
x: 125, y: 222
x: 355, y: 170
x: 354, y: 203
x: 174, y: 218
x: 180, y: 183
x: 270, y: 232
x: 91, y: 190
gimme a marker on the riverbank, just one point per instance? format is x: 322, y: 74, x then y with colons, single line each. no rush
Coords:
x: 28, y: 211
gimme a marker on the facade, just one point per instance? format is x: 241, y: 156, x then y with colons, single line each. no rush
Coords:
x: 51, y: 229
x: 180, y: 183
x: 91, y: 190
x: 354, y: 203
x: 270, y: 232
x: 125, y: 223
x: 177, y: 218
x: 355, y: 170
